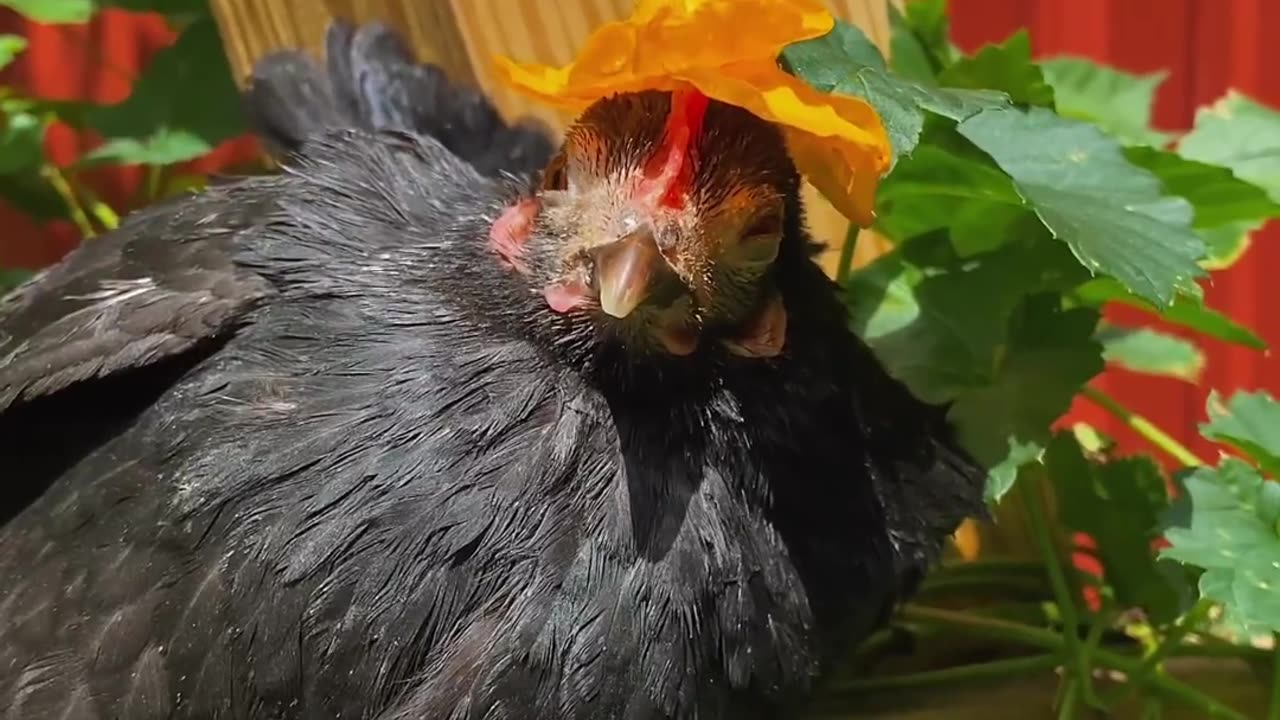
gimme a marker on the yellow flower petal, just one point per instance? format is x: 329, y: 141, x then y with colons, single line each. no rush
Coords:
x: 728, y: 49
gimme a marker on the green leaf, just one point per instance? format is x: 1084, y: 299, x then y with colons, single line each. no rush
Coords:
x: 908, y: 56
x: 1187, y: 311
x: 1151, y: 352
x: 52, y: 11
x: 1113, y: 215
x: 984, y: 334
x: 1231, y: 533
x: 1006, y: 67
x: 1217, y: 196
x: 1250, y: 422
x: 1240, y: 134
x: 927, y: 191
x: 185, y: 104
x: 1117, y: 101
x: 845, y: 61
x: 11, y: 46
x: 22, y: 184
x: 21, y: 143
x: 162, y: 148
x: 927, y: 20
x: 1227, y: 244
x: 1050, y: 355
x: 1119, y: 504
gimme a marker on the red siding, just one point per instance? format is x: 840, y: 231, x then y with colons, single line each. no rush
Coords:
x: 97, y: 62
x: 1207, y: 47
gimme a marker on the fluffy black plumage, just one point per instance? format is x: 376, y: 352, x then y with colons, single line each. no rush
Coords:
x: 370, y: 80
x: 299, y: 447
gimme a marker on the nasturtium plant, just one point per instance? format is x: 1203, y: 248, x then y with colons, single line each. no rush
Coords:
x: 1025, y: 197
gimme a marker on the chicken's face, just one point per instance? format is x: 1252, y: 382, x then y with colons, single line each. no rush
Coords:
x: 660, y: 220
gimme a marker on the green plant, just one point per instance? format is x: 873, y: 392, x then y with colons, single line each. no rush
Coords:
x: 179, y: 109
x: 1024, y: 197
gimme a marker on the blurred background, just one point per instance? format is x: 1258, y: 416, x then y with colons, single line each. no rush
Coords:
x: 167, y: 136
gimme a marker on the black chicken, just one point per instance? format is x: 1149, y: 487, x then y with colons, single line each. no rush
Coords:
x: 383, y: 437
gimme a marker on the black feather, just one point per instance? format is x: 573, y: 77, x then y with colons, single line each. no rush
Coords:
x: 371, y: 81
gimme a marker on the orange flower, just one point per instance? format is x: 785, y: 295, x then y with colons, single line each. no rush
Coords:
x: 728, y: 50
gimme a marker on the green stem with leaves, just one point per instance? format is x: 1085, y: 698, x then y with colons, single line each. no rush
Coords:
x: 1077, y: 656
x: 1143, y: 427
x: 1005, y: 631
x: 961, y: 674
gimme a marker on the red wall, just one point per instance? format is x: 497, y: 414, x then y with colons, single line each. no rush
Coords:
x: 97, y: 62
x: 1207, y: 46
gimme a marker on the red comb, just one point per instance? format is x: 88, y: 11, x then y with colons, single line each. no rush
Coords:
x: 669, y: 173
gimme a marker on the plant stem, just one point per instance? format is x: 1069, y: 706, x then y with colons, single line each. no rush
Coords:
x: 1076, y: 655
x: 845, y: 264
x: 993, y: 670
x: 1273, y: 709
x: 1068, y: 710
x: 1053, y: 642
x: 53, y: 174
x: 1143, y: 427
x: 1172, y: 640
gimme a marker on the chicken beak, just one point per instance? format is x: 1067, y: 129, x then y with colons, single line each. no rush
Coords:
x: 627, y: 272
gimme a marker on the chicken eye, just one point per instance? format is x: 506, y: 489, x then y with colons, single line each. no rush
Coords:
x: 556, y: 176
x: 765, y: 225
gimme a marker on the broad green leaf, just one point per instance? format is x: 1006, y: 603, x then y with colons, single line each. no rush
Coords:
x: 1216, y: 195
x: 1006, y: 67
x: 1240, y: 134
x: 11, y: 46
x: 968, y: 333
x: 1249, y: 422
x: 908, y: 56
x: 1119, y: 504
x: 21, y: 143
x: 1117, y: 101
x: 1151, y: 352
x: 52, y: 11
x: 1049, y: 356
x: 928, y: 190
x: 1231, y: 532
x: 928, y: 21
x: 22, y: 185
x: 1227, y: 244
x: 845, y: 61
x: 983, y: 226
x: 1187, y: 310
x: 1113, y: 215
x: 943, y: 328
x: 1002, y: 477
x: 162, y: 148
x: 185, y: 104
